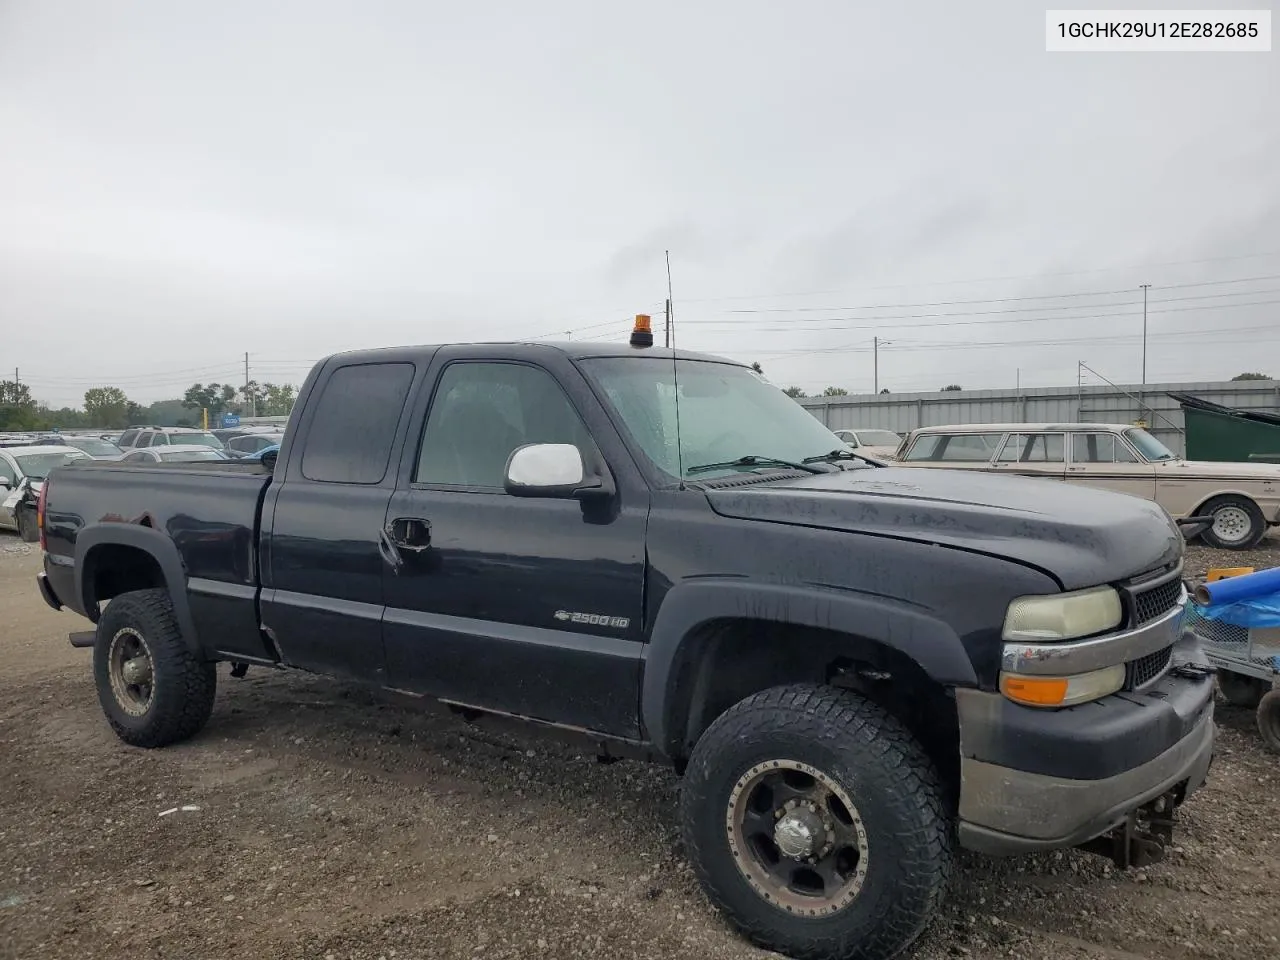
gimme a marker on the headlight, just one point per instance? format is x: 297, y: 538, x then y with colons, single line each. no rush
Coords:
x: 1062, y: 691
x: 1062, y: 616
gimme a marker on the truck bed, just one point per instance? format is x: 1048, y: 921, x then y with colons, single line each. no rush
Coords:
x: 200, y: 518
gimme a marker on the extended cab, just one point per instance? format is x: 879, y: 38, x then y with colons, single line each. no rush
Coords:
x: 853, y: 666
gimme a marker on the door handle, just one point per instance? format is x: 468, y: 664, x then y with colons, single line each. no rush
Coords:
x: 389, y: 552
x: 410, y: 533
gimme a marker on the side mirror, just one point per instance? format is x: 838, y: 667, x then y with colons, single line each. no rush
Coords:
x: 269, y: 459
x: 4, y: 483
x: 551, y: 470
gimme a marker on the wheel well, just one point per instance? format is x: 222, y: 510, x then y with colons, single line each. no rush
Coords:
x: 113, y: 569
x: 726, y: 661
x: 1224, y: 496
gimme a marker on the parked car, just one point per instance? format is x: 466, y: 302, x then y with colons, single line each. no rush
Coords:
x: 252, y: 443
x: 874, y: 443
x: 266, y: 455
x: 852, y: 668
x: 1241, y: 499
x: 22, y: 474
x: 175, y: 453
x: 141, y: 438
x: 97, y: 448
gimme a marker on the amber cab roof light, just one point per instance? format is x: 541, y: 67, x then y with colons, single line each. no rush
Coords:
x: 642, y: 333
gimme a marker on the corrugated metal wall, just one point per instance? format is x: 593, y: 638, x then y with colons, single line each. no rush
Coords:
x: 902, y: 412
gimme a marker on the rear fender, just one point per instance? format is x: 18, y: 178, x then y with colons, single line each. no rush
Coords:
x: 151, y: 542
x: 670, y: 661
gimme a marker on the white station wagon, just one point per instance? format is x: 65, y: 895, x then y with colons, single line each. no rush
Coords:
x: 1242, y: 499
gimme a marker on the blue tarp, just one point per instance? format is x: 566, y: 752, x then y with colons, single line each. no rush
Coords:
x: 1257, y: 612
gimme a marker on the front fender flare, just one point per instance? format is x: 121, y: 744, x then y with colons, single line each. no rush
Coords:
x: 156, y: 545
x: 912, y: 631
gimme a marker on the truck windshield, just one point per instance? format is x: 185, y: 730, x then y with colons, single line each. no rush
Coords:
x: 726, y: 413
x: 36, y: 466
x: 1150, y: 448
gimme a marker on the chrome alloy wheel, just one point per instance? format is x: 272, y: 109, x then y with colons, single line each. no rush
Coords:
x: 797, y: 838
x: 131, y: 671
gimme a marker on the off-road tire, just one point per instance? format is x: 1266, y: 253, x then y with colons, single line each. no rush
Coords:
x: 183, y: 684
x: 889, y: 778
x: 1241, y: 691
x: 1269, y: 720
x: 28, y: 531
x: 1257, y: 522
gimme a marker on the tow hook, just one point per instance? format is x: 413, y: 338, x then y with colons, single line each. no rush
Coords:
x: 1142, y: 839
x: 238, y: 670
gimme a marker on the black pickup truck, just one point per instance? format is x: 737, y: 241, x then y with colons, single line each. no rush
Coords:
x: 855, y: 668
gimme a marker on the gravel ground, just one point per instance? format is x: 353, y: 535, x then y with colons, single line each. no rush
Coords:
x: 315, y: 821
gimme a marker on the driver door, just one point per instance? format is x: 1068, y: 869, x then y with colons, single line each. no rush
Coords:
x: 508, y: 603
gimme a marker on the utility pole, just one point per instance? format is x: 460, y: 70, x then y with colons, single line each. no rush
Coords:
x: 875, y: 365
x: 1145, y: 287
x: 666, y: 342
x: 253, y: 403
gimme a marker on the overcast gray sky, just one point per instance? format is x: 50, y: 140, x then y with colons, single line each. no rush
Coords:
x: 182, y: 182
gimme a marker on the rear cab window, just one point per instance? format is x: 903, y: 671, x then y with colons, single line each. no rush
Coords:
x: 353, y: 428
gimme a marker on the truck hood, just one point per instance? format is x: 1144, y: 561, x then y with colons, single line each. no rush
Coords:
x: 1078, y: 536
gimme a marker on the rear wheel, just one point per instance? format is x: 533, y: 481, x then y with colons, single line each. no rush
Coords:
x: 153, y: 689
x: 1238, y: 524
x: 816, y: 823
x: 27, y: 528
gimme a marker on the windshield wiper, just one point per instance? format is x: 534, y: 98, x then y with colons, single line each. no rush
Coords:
x: 751, y: 460
x: 842, y: 455
x: 833, y: 455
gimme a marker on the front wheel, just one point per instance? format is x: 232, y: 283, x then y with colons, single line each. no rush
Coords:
x: 154, y: 690
x: 1238, y: 524
x: 816, y: 822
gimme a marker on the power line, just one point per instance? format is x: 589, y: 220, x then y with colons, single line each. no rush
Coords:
x: 974, y: 313
x: 1023, y: 276
x: 1043, y: 296
x: 901, y: 346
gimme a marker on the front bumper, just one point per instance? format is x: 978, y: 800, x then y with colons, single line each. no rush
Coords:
x: 1047, y: 779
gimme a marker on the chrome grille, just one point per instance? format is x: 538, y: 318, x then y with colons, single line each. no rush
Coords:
x: 1146, y: 670
x: 1155, y: 602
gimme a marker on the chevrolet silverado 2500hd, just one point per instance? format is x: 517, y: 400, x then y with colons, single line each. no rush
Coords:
x: 855, y: 667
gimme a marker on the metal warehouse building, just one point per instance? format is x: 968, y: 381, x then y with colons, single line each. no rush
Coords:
x: 1121, y: 403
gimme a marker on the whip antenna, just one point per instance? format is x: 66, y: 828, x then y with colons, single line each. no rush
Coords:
x: 675, y: 368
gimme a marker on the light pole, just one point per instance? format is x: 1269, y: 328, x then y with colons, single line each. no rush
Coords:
x: 1145, y: 287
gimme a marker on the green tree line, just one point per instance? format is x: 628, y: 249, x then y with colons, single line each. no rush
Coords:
x: 110, y: 408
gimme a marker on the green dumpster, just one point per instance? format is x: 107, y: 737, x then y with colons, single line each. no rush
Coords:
x: 1215, y: 432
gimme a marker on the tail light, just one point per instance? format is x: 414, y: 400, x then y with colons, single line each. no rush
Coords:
x: 40, y: 502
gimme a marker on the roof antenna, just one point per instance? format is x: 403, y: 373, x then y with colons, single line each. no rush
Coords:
x: 675, y: 369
